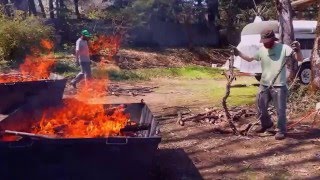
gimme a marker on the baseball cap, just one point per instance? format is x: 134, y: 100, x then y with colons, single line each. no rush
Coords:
x: 267, y: 36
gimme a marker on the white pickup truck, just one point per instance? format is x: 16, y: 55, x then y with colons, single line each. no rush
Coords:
x: 304, y: 32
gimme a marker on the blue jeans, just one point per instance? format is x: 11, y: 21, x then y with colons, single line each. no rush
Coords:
x: 84, y: 73
x: 278, y: 95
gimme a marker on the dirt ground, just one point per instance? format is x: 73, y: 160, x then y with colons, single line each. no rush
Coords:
x: 195, y: 151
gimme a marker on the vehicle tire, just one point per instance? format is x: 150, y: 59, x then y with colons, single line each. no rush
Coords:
x: 305, y: 73
x: 258, y: 77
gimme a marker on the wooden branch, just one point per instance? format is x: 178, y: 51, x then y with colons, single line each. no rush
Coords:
x: 198, y: 118
x: 230, y: 78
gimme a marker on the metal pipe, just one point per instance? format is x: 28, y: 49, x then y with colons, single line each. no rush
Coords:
x: 25, y: 134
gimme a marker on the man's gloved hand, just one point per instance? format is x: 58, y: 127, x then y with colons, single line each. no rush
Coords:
x: 295, y: 45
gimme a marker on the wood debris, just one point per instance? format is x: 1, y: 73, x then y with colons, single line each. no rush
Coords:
x: 212, y: 116
x: 116, y: 90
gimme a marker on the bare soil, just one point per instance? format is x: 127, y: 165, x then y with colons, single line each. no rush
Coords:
x: 196, y: 151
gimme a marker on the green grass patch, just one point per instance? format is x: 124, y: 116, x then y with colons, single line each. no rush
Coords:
x: 242, y: 96
x: 124, y: 75
x: 238, y: 96
x: 4, y: 66
x: 188, y: 73
x: 209, y: 91
x: 66, y: 68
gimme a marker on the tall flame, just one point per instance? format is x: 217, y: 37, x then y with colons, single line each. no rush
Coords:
x: 80, y: 120
x: 105, y: 46
x: 35, y: 67
x: 77, y: 119
x: 74, y: 118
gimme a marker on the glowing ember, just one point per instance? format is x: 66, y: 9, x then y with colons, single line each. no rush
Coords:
x: 35, y: 66
x: 8, y: 138
x: 79, y: 120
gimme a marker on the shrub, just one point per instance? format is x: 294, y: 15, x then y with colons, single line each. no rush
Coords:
x: 19, y: 34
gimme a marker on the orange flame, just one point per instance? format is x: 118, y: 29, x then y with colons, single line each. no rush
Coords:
x: 94, y: 88
x: 46, y: 44
x: 35, y: 66
x: 76, y: 119
x: 79, y: 120
x: 105, y: 46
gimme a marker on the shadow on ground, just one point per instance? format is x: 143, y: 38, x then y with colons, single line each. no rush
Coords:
x: 218, y: 156
x: 174, y: 164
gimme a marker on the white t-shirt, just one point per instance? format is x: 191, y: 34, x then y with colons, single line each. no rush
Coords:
x: 83, y: 50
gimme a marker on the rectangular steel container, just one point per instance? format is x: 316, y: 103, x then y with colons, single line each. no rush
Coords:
x: 14, y: 95
x: 81, y: 158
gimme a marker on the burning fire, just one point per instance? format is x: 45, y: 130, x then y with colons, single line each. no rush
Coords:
x: 35, y: 66
x: 74, y: 118
x: 94, y: 88
x: 77, y: 119
x: 105, y: 45
x: 80, y: 120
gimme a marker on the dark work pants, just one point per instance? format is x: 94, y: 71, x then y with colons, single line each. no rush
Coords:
x: 277, y: 95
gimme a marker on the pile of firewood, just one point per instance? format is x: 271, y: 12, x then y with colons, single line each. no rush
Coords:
x: 116, y: 90
x: 213, y: 115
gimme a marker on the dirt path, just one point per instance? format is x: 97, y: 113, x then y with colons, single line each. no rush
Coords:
x: 195, y: 151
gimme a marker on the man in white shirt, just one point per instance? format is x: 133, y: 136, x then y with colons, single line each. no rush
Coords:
x: 82, y: 58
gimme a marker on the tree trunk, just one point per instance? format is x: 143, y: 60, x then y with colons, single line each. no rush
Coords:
x: 213, y: 10
x: 286, y: 32
x: 62, y: 9
x: 61, y: 2
x: 231, y: 28
x: 200, y: 15
x: 51, y: 9
x: 32, y: 7
x: 57, y: 8
x: 7, y: 10
x: 42, y: 8
x: 76, y: 8
x: 315, y: 59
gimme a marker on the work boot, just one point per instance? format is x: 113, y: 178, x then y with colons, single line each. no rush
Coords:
x: 263, y: 129
x: 280, y: 136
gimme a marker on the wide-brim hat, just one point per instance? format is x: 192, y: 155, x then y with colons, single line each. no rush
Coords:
x: 86, y: 33
x: 268, y: 36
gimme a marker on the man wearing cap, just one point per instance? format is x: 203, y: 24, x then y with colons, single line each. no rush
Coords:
x: 82, y: 58
x: 272, y: 56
